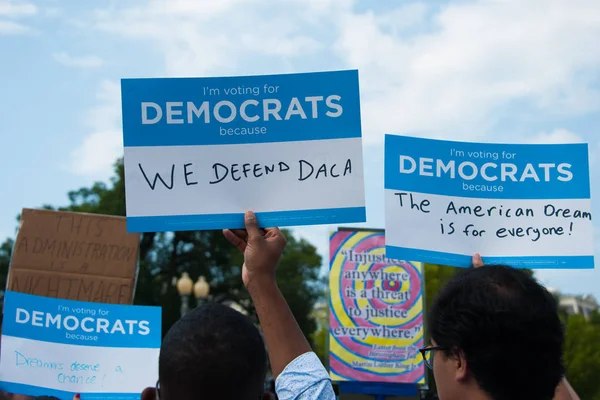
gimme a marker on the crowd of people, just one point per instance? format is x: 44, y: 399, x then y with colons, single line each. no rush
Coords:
x: 495, y: 335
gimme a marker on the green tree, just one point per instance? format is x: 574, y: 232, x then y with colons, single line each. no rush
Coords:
x: 5, y: 251
x: 164, y: 256
x: 320, y: 337
x: 582, y: 356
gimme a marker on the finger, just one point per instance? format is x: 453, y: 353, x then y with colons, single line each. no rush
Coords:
x: 275, y: 233
x: 241, y: 233
x: 251, y: 225
x: 234, y: 239
x: 477, y: 261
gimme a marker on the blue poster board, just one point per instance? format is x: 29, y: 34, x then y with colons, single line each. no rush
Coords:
x: 526, y: 205
x: 199, y: 152
x: 58, y: 347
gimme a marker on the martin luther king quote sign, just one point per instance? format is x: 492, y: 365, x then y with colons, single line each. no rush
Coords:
x: 199, y: 152
x: 526, y: 205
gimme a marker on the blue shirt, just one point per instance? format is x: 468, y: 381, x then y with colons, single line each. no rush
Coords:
x: 305, y: 378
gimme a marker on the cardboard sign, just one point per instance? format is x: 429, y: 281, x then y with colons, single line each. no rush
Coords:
x: 55, y: 347
x: 527, y: 206
x: 199, y: 152
x: 376, y: 312
x: 74, y: 256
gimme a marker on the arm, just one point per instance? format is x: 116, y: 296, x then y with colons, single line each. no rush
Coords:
x: 285, y: 340
x: 299, y: 373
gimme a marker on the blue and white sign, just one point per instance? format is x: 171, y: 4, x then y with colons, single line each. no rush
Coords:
x: 57, y: 347
x: 523, y: 205
x: 199, y: 152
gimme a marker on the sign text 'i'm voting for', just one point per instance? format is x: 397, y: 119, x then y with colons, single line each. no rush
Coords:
x: 199, y: 152
x: 526, y: 205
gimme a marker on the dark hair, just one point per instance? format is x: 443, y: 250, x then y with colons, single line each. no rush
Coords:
x: 507, y: 327
x: 45, y: 398
x: 213, y: 351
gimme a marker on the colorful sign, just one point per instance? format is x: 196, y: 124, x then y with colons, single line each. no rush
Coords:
x: 54, y: 347
x: 376, y: 311
x: 527, y: 206
x: 199, y: 152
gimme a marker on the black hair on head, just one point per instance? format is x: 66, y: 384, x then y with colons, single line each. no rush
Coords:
x: 213, y: 352
x: 507, y: 327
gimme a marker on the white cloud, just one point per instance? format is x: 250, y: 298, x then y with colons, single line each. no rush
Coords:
x: 558, y: 136
x: 95, y: 156
x: 88, y: 61
x: 561, y: 136
x: 226, y: 36
x: 13, y: 28
x: 10, y: 10
x: 435, y: 72
x: 479, y: 56
x: 17, y: 9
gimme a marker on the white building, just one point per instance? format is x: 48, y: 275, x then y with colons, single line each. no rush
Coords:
x: 576, y: 305
x: 582, y: 305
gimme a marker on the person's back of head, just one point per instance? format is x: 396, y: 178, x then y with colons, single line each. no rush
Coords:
x: 499, y: 332
x: 212, y: 352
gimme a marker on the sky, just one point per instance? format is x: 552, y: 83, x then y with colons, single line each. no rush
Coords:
x: 514, y: 71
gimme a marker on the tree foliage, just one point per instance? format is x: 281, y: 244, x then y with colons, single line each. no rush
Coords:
x: 164, y: 256
x: 582, y: 355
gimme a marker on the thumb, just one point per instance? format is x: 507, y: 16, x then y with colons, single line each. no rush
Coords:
x: 251, y: 225
x: 477, y: 261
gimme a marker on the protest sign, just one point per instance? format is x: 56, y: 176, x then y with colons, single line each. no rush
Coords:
x: 376, y: 311
x: 58, y: 347
x: 199, y: 152
x: 523, y: 205
x: 74, y: 256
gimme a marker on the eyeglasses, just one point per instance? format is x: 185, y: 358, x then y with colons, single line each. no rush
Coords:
x: 427, y: 353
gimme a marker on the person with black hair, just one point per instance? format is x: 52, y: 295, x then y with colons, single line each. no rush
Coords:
x: 214, y: 352
x: 496, y: 335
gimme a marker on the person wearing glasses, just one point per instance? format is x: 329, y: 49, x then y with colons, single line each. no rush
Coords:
x: 496, y: 335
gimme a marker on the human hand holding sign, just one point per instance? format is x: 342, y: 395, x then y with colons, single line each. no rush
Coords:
x: 477, y: 261
x: 262, y: 249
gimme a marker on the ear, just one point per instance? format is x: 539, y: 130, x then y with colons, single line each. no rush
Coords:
x: 462, y: 371
x: 149, y: 394
x: 268, y: 396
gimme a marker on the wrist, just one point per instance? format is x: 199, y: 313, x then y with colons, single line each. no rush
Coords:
x: 260, y: 282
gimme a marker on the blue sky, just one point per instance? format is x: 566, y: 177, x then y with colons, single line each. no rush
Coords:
x: 512, y: 71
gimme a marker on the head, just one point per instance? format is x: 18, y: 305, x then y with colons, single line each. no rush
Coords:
x: 499, y: 337
x: 213, y: 352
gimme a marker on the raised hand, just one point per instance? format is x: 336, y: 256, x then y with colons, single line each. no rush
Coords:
x: 262, y: 249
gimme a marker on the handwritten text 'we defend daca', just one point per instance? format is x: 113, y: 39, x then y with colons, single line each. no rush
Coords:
x: 250, y: 110
x: 301, y: 169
